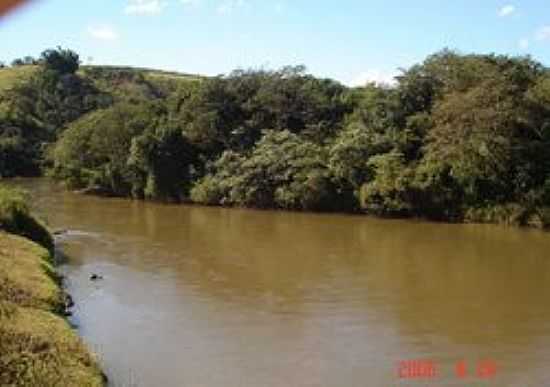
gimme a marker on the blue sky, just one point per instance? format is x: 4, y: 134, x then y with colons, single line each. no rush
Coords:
x: 349, y: 40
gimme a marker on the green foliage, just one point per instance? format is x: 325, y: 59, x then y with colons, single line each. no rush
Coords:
x: 473, y: 135
x: 62, y: 61
x: 16, y: 218
x: 35, y: 107
x: 231, y: 112
x: 162, y: 163
x: 389, y: 192
x: 37, y: 347
x: 211, y: 189
x: 17, y: 62
x: 53, y: 99
x: 510, y: 214
x: 282, y: 171
x: 122, y: 84
x: 11, y: 76
x: 459, y: 137
x: 349, y: 155
x: 20, y: 147
x: 93, y: 152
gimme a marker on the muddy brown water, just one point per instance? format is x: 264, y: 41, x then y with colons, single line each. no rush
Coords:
x: 196, y: 296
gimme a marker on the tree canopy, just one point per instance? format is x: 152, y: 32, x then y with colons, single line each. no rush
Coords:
x: 63, y: 61
x: 459, y: 137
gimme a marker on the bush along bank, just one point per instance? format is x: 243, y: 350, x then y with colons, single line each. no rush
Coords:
x: 37, y: 345
x: 457, y: 137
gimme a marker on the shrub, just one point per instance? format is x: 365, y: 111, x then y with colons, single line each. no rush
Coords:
x: 15, y: 217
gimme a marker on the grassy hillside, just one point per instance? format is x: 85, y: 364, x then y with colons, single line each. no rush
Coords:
x: 15, y: 218
x: 126, y: 82
x: 146, y: 71
x: 36, y: 105
x: 118, y: 80
x: 37, y: 345
x: 10, y: 76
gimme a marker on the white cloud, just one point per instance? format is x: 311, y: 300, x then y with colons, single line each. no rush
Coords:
x: 144, y: 7
x: 377, y: 76
x: 507, y: 10
x: 190, y: 3
x: 103, y: 33
x: 543, y: 33
x: 228, y: 6
x: 524, y: 43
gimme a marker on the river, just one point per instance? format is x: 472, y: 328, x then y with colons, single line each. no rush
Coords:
x: 197, y: 296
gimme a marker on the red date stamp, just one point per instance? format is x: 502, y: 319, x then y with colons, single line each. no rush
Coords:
x: 429, y: 369
x: 417, y: 369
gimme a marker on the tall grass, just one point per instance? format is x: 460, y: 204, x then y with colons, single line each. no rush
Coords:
x: 15, y: 218
x: 37, y: 345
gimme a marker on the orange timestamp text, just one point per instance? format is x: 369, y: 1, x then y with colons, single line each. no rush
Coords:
x: 429, y: 369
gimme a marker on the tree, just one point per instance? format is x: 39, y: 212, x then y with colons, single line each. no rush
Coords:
x: 162, y: 161
x: 213, y: 118
x: 391, y: 189
x: 53, y: 99
x: 17, y: 62
x: 282, y: 171
x: 474, y: 135
x: 62, y: 61
x: 289, y: 99
x: 231, y: 112
x: 94, y: 151
x: 461, y: 137
x: 350, y: 153
x: 20, y: 148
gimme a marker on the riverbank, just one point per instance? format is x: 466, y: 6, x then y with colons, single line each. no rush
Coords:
x: 37, y: 345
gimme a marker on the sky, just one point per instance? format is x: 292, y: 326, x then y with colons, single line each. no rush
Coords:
x: 353, y: 41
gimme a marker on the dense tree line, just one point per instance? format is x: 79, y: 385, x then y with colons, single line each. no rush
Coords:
x: 459, y: 137
x: 36, y: 110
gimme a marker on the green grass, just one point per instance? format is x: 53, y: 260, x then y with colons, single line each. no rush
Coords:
x: 130, y: 83
x: 26, y: 275
x: 37, y: 346
x: 10, y: 76
x: 105, y: 79
x: 145, y: 71
x: 16, y: 218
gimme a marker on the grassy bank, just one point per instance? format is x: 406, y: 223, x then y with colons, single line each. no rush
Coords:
x: 15, y: 218
x: 37, y: 345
